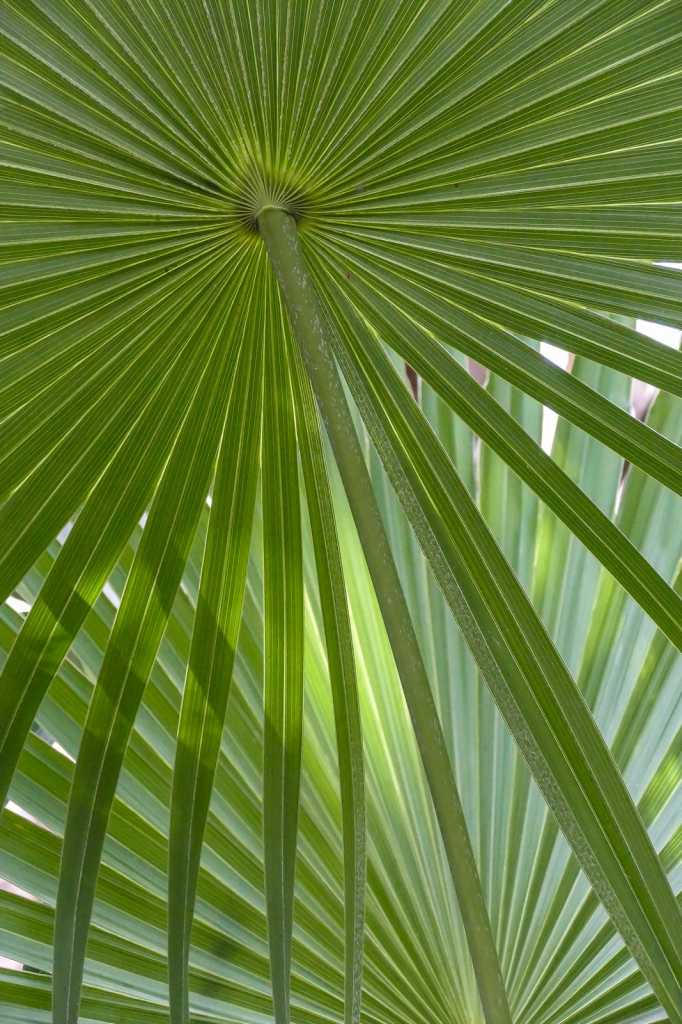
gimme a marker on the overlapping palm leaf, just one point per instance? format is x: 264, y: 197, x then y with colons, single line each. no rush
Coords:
x: 467, y: 178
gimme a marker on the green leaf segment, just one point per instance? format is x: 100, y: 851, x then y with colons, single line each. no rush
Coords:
x: 211, y: 659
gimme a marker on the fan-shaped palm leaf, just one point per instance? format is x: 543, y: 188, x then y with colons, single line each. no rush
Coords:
x: 226, y: 227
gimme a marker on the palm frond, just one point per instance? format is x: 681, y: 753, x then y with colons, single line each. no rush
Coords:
x: 315, y: 685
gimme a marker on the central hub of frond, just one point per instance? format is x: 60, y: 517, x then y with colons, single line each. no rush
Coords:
x: 281, y: 192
